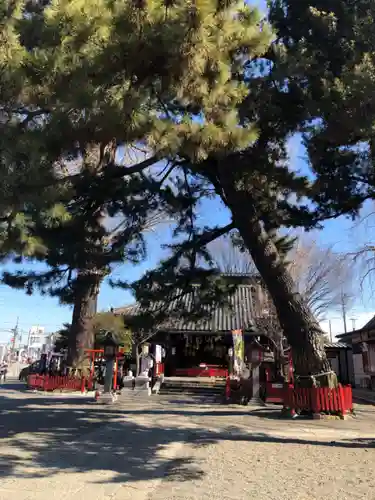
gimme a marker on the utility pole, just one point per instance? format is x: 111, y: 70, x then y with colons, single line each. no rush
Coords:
x: 330, y: 330
x: 15, y: 337
x: 343, y: 308
x: 329, y: 321
x: 353, y: 320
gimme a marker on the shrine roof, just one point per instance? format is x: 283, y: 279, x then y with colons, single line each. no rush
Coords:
x: 237, y: 316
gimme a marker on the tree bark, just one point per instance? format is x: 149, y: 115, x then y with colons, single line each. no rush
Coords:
x: 298, y: 323
x: 81, y: 335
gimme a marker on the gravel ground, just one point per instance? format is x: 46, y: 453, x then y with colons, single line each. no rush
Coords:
x: 241, y: 457
x: 238, y: 468
x: 183, y: 449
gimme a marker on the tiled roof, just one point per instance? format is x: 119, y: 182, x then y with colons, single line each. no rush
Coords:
x: 220, y: 318
x: 369, y: 325
x: 346, y: 336
x: 336, y: 345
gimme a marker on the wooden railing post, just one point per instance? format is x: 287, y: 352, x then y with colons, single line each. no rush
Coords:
x: 227, y: 389
x: 287, y: 395
x: 343, y: 403
x: 315, y: 404
x: 349, y: 397
x: 83, y: 384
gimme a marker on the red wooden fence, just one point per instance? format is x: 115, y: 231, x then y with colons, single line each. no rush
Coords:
x: 52, y: 383
x: 319, y: 399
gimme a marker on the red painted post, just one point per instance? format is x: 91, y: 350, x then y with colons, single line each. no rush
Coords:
x: 292, y: 399
x: 92, y: 369
x: 315, y: 406
x: 115, y: 376
x: 287, y: 398
x: 349, y: 392
x: 227, y: 389
x: 342, y: 400
x: 83, y: 384
x: 291, y: 371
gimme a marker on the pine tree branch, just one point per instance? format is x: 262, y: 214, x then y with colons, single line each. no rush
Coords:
x: 121, y: 171
x: 198, y: 242
x: 167, y: 171
x: 115, y: 171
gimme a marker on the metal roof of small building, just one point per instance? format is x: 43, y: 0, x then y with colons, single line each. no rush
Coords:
x: 336, y: 345
x: 370, y: 325
x: 238, y: 316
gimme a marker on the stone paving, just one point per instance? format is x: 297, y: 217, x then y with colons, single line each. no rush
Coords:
x: 179, y: 449
x: 364, y: 395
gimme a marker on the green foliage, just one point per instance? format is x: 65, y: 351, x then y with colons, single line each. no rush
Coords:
x: 87, y: 81
x: 198, y: 85
x: 107, y: 322
x: 102, y: 322
x: 317, y: 80
x: 329, y: 55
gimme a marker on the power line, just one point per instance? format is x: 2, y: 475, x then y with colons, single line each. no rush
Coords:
x: 32, y: 323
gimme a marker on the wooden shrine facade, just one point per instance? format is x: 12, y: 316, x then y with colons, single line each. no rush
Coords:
x: 190, y: 344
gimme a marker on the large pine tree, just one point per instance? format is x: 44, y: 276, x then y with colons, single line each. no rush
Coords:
x: 197, y: 84
x: 315, y: 80
x: 84, y: 83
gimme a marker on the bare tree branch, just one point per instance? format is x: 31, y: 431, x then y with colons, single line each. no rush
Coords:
x: 320, y: 274
x: 229, y: 258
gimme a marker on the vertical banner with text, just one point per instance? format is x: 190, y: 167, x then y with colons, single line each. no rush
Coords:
x: 238, y: 351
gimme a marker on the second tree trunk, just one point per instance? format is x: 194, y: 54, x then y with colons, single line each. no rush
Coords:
x: 301, y: 329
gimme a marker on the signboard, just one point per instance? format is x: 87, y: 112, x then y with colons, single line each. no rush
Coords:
x: 257, y: 355
x: 36, y: 337
x: 238, y: 351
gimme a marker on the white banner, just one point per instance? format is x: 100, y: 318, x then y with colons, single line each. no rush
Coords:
x: 238, y: 351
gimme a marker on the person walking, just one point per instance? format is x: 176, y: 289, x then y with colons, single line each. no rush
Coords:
x: 3, y: 371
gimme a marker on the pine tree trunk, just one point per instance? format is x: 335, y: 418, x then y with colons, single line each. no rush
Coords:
x: 298, y: 323
x: 81, y: 333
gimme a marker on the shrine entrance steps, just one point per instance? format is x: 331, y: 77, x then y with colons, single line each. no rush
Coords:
x: 196, y: 386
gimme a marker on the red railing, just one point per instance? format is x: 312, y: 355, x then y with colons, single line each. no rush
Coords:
x: 319, y: 399
x: 159, y: 369
x: 52, y: 383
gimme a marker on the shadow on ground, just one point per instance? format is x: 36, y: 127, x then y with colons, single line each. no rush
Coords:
x: 44, y: 436
x: 51, y: 435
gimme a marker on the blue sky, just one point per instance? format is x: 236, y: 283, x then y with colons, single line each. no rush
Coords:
x: 44, y: 311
